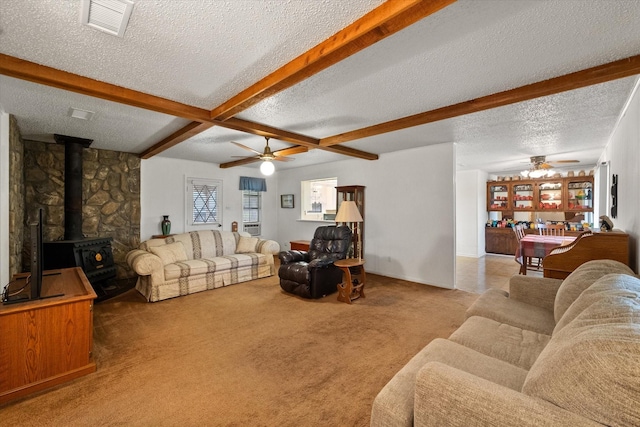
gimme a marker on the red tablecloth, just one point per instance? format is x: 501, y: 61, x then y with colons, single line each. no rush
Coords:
x: 534, y: 245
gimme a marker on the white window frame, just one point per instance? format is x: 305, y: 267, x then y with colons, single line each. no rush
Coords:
x: 249, y: 193
x: 189, y: 201
x: 325, y: 194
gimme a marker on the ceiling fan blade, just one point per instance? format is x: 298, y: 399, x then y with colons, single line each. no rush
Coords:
x: 246, y: 148
x: 283, y: 159
x: 565, y: 161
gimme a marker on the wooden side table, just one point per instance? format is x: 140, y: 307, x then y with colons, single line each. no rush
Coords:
x: 300, y: 245
x: 348, y: 290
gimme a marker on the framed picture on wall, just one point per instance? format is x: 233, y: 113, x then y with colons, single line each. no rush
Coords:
x: 286, y: 200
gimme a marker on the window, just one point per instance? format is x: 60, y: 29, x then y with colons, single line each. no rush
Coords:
x: 204, y: 201
x: 251, y: 212
x: 318, y: 199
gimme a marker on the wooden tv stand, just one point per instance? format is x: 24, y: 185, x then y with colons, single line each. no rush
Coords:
x: 49, y: 341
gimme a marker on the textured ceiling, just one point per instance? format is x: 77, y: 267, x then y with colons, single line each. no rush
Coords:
x: 202, y: 52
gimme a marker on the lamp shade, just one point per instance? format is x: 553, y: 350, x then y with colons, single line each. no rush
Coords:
x: 348, y: 212
x: 267, y: 168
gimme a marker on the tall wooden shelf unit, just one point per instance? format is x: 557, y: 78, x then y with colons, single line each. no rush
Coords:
x: 356, y: 194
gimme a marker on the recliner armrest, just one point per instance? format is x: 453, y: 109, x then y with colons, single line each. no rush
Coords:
x: 320, y: 263
x: 287, y: 257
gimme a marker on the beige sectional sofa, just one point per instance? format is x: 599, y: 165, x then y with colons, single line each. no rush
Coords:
x: 547, y: 353
x: 191, y: 262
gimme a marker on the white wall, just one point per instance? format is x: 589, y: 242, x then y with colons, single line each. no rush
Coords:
x: 623, y: 153
x: 471, y: 212
x: 162, y: 192
x: 409, y: 211
x: 4, y: 198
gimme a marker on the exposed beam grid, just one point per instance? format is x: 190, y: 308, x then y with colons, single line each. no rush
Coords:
x: 294, y: 138
x: 25, y: 70
x: 591, y: 76
x: 385, y: 20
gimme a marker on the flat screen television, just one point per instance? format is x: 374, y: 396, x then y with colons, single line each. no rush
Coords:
x: 36, y: 257
x: 32, y: 288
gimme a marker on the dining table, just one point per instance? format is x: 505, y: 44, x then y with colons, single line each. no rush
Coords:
x: 539, y: 246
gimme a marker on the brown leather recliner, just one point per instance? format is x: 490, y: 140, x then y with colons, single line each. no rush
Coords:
x: 311, y: 274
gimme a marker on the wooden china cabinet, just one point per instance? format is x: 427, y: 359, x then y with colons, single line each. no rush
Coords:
x: 571, y: 194
x: 356, y: 194
x: 537, y: 196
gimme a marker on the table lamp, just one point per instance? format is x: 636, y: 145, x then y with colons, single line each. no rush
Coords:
x: 348, y: 212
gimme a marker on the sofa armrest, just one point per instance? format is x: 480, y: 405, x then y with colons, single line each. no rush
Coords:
x: 146, y: 264
x: 451, y: 397
x: 537, y: 291
x: 268, y: 247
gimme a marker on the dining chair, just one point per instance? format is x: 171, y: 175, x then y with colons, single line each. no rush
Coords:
x: 551, y: 229
x: 518, y: 230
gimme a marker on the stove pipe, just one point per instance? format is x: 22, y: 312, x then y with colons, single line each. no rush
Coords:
x: 72, y: 184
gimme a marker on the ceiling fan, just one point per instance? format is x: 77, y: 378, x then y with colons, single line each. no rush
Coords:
x: 266, y: 156
x: 540, y: 167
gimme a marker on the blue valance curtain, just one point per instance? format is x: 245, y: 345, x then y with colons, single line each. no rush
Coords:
x: 253, y: 184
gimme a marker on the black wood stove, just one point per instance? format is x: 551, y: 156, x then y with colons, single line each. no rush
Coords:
x: 93, y: 255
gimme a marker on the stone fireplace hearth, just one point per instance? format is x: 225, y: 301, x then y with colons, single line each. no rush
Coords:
x: 110, y: 208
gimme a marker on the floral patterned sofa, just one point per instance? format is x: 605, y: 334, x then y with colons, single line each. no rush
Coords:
x: 196, y: 261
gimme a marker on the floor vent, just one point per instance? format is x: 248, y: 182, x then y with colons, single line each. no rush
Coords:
x: 110, y: 16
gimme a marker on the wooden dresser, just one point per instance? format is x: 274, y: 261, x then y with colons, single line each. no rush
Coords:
x: 602, y: 245
x: 47, y: 342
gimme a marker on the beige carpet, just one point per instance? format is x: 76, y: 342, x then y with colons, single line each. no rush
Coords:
x: 246, y: 355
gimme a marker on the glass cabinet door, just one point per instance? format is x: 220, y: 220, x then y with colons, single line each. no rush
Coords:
x: 522, y: 196
x: 498, y: 197
x: 550, y: 195
x: 579, y: 195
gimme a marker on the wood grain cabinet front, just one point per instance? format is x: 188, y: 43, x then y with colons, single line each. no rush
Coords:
x: 47, y: 342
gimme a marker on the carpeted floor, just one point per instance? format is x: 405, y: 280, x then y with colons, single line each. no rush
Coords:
x: 246, y: 355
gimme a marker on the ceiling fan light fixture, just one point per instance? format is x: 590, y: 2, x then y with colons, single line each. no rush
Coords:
x: 540, y: 173
x: 267, y: 168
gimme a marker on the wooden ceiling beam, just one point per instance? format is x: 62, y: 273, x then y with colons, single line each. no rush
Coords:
x: 600, y: 74
x: 41, y: 74
x: 383, y: 21
x: 175, y: 138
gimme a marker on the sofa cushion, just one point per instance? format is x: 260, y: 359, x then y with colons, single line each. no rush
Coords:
x: 610, y: 285
x: 581, y: 278
x: 193, y: 267
x: 394, y: 403
x: 590, y: 366
x: 171, y: 253
x: 496, y: 304
x: 247, y: 245
x: 511, y: 344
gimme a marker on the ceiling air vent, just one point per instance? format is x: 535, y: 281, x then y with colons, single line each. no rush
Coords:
x: 110, y: 16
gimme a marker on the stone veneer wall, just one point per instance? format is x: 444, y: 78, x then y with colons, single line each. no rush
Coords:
x: 16, y: 197
x: 111, y: 195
